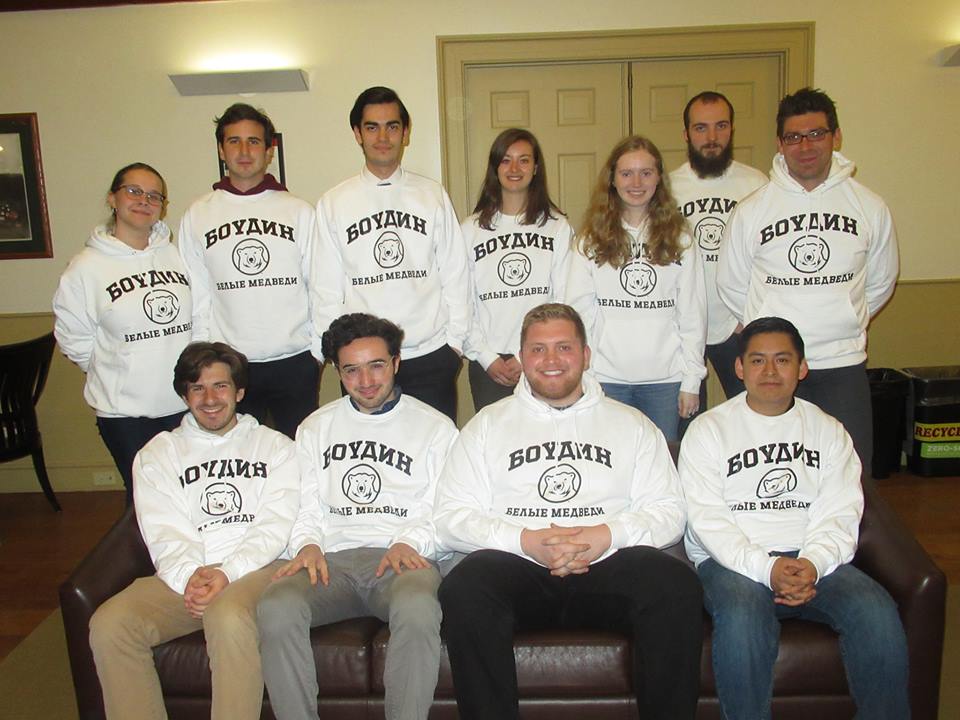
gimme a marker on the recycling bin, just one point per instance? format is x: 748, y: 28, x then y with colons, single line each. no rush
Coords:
x: 935, y: 420
x: 889, y: 390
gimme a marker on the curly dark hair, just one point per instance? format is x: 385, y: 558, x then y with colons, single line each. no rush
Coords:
x: 353, y: 326
x: 807, y: 100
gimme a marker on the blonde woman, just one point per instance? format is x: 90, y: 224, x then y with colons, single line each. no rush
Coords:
x: 636, y: 280
x: 123, y: 311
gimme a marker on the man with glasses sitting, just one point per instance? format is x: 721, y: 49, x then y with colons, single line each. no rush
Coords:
x: 816, y: 247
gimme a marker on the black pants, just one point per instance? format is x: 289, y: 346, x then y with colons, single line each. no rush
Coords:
x: 432, y: 378
x: 639, y: 591
x: 281, y: 393
x: 485, y: 389
x: 125, y: 436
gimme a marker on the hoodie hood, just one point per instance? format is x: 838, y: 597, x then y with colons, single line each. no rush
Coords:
x: 191, y: 429
x: 592, y: 392
x: 103, y: 240
x: 840, y: 169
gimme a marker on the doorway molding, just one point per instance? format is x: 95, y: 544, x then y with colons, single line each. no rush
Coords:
x: 791, y: 43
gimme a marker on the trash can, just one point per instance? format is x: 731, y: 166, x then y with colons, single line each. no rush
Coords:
x: 935, y: 421
x: 889, y: 390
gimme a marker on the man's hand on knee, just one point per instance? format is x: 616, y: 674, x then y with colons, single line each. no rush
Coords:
x: 401, y: 556
x: 311, y: 559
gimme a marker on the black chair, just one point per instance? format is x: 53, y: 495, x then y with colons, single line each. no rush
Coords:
x: 23, y: 373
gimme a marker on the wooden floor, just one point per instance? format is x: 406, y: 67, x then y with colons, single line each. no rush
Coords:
x: 39, y: 548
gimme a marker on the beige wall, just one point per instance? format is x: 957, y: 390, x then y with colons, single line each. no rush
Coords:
x: 98, y: 80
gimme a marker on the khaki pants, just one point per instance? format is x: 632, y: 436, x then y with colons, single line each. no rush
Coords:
x: 126, y: 627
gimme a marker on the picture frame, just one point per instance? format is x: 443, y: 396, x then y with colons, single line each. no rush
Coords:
x: 24, y: 222
x: 276, y: 167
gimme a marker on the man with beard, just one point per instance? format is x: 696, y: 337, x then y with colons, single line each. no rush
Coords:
x: 707, y: 188
x: 563, y: 497
x: 817, y: 248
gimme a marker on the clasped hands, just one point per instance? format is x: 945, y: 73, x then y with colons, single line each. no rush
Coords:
x: 793, y: 581
x: 566, y: 550
x: 203, y: 586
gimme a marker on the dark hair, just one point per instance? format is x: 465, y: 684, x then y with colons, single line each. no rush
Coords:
x: 347, y: 328
x: 708, y: 97
x: 377, y: 95
x: 807, y: 100
x: 553, y: 311
x: 602, y: 238
x: 241, y: 111
x: 539, y: 207
x: 118, y: 178
x: 765, y: 325
x: 199, y: 355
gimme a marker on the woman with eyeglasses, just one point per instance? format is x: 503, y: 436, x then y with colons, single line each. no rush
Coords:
x: 123, y: 310
x: 518, y: 244
x: 637, y: 281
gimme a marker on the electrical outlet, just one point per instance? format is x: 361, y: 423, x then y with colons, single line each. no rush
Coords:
x: 107, y: 477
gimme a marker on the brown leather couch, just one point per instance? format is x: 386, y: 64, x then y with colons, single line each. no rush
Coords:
x: 561, y: 674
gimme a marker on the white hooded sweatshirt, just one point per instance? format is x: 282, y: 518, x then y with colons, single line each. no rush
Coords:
x: 645, y: 323
x: 514, y: 267
x: 124, y: 315
x: 249, y: 259
x: 369, y: 480
x: 706, y: 203
x: 756, y: 483
x: 521, y: 463
x: 824, y: 259
x: 393, y: 248
x: 203, y: 498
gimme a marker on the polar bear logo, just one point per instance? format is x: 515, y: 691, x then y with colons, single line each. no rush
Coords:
x: 776, y: 482
x: 638, y: 278
x: 251, y: 256
x: 514, y: 269
x: 161, y: 306
x: 708, y: 232
x: 221, y: 499
x: 559, y: 484
x: 361, y: 483
x: 809, y: 254
x: 388, y: 250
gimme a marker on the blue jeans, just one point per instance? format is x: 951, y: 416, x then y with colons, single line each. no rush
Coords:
x: 746, y: 636
x: 658, y: 401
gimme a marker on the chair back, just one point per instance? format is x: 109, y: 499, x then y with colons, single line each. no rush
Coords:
x: 23, y: 373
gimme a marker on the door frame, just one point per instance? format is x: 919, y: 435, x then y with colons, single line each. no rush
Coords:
x: 791, y: 43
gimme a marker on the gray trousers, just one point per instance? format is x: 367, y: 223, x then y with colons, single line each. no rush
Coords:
x: 408, y: 602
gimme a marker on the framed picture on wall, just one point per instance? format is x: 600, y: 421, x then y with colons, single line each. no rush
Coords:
x: 24, y: 225
x: 276, y: 167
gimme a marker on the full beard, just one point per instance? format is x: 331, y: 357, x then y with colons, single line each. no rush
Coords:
x: 706, y: 167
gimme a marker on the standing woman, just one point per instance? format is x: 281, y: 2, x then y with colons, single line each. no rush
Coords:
x: 518, y: 245
x: 637, y: 281
x: 123, y: 313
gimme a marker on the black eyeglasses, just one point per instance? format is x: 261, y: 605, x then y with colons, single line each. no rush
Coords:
x: 813, y: 136
x: 137, y: 193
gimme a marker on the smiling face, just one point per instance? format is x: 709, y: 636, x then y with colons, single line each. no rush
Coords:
x: 213, y: 399
x: 382, y: 137
x: 134, y: 216
x: 809, y: 161
x: 770, y: 369
x: 517, y: 168
x: 245, y: 154
x: 635, y: 179
x: 367, y: 371
x: 553, y: 359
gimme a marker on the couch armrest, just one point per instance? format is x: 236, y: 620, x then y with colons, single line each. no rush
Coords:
x: 117, y: 560
x: 890, y: 554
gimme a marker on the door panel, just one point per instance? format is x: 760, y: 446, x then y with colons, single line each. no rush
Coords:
x: 577, y: 111
x: 661, y: 88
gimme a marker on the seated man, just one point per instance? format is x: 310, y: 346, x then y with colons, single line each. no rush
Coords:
x: 365, y: 532
x: 519, y: 474
x: 774, y: 503
x: 215, y: 499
